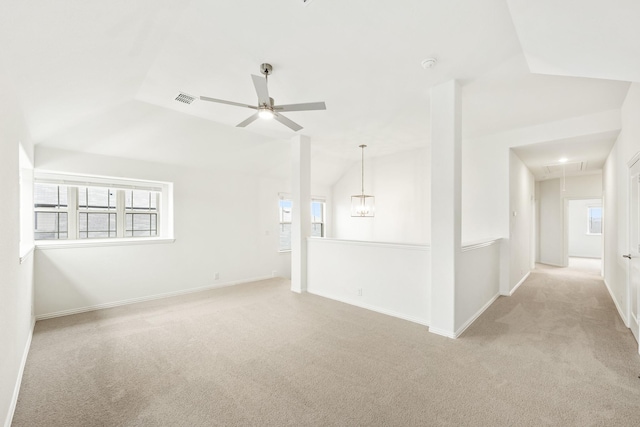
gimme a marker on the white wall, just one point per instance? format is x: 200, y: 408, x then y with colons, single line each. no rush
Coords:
x: 225, y: 223
x: 395, y: 278
x: 389, y: 278
x: 552, y: 222
x: 16, y: 280
x: 485, y: 190
x: 477, y: 282
x: 521, y: 220
x: 400, y: 184
x: 615, y: 203
x: 582, y: 244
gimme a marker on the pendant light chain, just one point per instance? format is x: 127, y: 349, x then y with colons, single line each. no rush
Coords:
x: 362, y: 181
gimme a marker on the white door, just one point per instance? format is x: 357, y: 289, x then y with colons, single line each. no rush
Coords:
x: 634, y: 247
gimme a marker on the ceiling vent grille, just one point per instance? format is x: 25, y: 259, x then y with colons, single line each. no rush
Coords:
x: 568, y: 167
x: 184, y: 98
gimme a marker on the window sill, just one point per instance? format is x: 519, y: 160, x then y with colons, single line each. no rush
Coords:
x: 94, y: 243
x: 287, y: 251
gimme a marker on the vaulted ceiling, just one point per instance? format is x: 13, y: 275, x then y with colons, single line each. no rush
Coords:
x: 102, y: 77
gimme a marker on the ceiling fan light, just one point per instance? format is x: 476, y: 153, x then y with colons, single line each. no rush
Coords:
x: 265, y: 114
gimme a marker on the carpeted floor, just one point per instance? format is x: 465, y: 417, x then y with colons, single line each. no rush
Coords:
x: 555, y: 353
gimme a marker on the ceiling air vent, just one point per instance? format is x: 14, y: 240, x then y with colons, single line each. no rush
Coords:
x: 184, y: 98
x: 568, y: 167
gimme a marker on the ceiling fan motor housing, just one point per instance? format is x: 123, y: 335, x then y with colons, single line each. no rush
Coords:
x: 266, y: 69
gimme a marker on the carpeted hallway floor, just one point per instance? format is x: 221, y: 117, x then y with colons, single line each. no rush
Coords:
x: 555, y: 353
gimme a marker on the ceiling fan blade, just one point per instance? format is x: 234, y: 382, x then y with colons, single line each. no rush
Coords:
x: 261, y: 89
x: 301, y: 107
x: 285, y: 121
x: 221, y: 101
x: 248, y: 121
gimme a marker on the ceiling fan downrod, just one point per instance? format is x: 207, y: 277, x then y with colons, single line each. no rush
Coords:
x: 266, y: 69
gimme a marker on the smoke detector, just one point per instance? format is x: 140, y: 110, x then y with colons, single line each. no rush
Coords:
x: 429, y: 63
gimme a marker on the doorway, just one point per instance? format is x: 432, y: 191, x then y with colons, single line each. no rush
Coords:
x: 583, y: 229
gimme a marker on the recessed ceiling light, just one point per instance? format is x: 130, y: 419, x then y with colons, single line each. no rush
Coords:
x: 429, y: 63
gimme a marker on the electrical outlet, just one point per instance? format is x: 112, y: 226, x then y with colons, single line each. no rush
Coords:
x: 359, y: 292
x: 217, y: 276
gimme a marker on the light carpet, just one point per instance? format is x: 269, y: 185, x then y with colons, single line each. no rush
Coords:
x: 554, y: 353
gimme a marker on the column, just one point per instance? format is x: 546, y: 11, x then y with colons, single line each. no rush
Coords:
x: 301, y: 210
x: 446, y: 151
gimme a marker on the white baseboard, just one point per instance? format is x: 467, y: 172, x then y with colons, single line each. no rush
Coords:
x: 515, y: 288
x: 371, y: 307
x: 473, y: 318
x: 552, y: 264
x: 615, y: 301
x: 147, y: 298
x: 16, y: 390
x: 442, y: 332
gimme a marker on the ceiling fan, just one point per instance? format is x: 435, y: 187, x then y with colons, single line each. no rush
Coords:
x: 266, y: 107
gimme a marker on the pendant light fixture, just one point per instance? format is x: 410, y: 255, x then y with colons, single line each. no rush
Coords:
x: 362, y: 205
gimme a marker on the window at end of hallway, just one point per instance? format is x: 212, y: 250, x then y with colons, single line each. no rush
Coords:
x: 594, y: 220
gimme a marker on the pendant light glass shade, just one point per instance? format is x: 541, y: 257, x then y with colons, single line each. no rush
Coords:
x: 363, y: 205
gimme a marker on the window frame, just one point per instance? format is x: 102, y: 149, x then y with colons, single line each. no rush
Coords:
x: 164, y: 208
x: 25, y: 177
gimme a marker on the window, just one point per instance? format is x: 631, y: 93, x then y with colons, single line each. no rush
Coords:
x: 141, y: 214
x: 97, y: 214
x: 79, y: 208
x: 317, y: 221
x: 317, y: 218
x: 51, y: 213
x: 285, y: 225
x: 594, y: 220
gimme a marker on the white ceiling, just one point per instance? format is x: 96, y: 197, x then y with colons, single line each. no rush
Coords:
x: 588, y: 151
x: 361, y: 57
x: 586, y: 38
x: 101, y: 77
x: 511, y: 97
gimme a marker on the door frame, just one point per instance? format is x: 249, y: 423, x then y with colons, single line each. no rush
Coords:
x: 565, y: 229
x: 628, y: 306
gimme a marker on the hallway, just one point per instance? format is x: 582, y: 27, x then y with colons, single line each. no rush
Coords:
x: 591, y: 265
x: 561, y: 337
